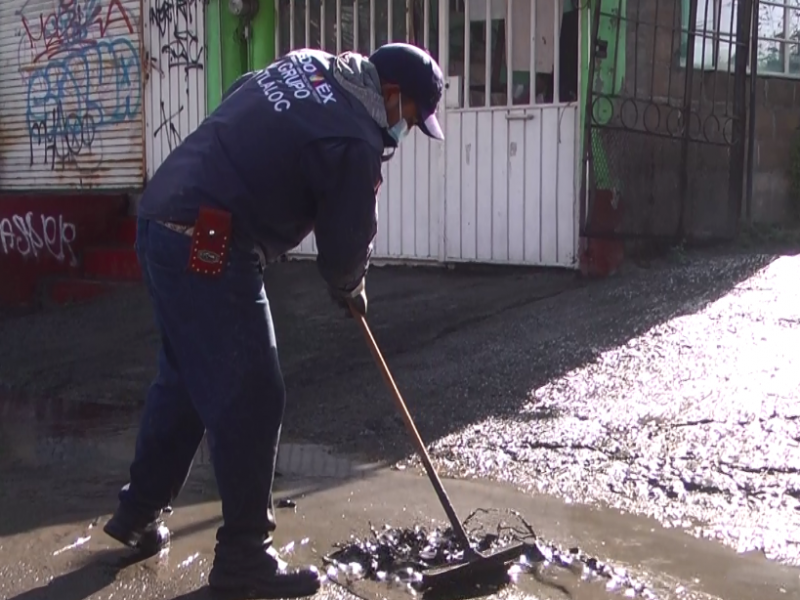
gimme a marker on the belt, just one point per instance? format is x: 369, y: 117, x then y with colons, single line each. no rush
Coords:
x: 187, y: 230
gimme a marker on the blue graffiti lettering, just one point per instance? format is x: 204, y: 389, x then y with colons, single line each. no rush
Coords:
x: 80, y: 92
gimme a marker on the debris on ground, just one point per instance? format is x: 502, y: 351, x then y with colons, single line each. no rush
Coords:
x: 398, y: 556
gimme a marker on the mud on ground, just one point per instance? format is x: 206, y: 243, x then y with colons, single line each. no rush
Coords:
x: 670, y: 391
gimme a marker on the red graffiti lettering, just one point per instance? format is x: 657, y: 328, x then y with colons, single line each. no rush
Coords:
x: 115, y: 13
x: 73, y: 24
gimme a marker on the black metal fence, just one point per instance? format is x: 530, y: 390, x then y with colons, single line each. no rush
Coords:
x: 664, y: 140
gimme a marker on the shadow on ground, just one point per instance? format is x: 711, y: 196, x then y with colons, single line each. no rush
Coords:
x: 85, y: 581
x: 464, y: 345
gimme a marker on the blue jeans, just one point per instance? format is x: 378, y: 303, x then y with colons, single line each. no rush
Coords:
x: 218, y: 373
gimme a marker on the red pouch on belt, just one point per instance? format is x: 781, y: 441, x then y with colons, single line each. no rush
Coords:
x: 210, y: 242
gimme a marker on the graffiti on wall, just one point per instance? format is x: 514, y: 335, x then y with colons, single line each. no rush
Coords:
x: 176, y: 21
x: 180, y: 48
x: 82, y: 71
x: 38, y: 236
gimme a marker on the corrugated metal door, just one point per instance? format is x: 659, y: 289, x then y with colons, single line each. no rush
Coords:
x: 175, y: 86
x: 512, y: 133
x: 409, y: 199
x: 71, y: 94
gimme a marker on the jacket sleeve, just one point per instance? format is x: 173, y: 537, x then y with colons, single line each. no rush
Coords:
x: 344, y: 175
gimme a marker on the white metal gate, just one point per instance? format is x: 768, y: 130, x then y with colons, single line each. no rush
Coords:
x: 511, y: 134
x: 409, y: 202
x: 502, y: 188
x: 70, y: 94
x: 175, y: 86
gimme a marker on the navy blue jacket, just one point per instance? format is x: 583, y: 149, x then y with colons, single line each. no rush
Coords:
x: 287, y: 151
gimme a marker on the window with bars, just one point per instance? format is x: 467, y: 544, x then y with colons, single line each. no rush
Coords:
x: 779, y: 37
x: 715, y: 29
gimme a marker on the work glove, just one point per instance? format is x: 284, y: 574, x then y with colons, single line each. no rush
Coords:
x: 357, y: 298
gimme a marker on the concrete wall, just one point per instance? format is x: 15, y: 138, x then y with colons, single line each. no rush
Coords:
x: 777, y: 119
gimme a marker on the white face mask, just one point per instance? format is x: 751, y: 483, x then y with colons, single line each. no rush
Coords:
x: 399, y: 130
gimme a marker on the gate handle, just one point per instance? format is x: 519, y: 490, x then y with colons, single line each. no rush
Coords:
x: 510, y: 117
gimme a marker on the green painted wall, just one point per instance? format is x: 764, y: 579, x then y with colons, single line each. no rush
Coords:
x: 234, y: 52
x: 610, y: 72
x: 262, y: 47
x: 229, y: 55
x: 609, y: 77
x: 585, y: 57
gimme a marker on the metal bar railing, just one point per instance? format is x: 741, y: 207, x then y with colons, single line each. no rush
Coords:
x: 292, y: 17
x: 371, y: 26
x: 487, y: 67
x: 338, y: 26
x: 307, y: 28
x: 509, y: 51
x: 532, y: 70
x: 557, y: 10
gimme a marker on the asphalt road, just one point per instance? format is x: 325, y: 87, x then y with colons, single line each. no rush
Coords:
x: 669, y: 391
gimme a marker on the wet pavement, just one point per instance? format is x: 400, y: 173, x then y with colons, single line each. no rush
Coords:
x: 696, y: 421
x: 57, y: 493
x: 630, y: 413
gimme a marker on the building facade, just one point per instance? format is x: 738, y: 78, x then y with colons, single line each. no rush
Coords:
x: 95, y: 93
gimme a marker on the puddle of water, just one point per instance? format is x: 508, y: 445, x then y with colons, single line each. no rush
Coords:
x: 76, y: 544
x: 189, y: 560
x: 592, y: 553
x: 35, y: 432
x: 315, y: 461
x: 304, y: 460
x: 47, y: 432
x: 400, y: 556
x: 620, y: 555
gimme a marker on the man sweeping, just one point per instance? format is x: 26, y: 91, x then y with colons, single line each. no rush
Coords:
x: 293, y: 148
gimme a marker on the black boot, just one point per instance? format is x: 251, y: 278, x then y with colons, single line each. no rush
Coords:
x: 261, y: 575
x: 147, y: 535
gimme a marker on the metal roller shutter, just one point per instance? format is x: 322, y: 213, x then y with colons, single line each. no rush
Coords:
x: 71, y: 94
x: 175, y: 93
